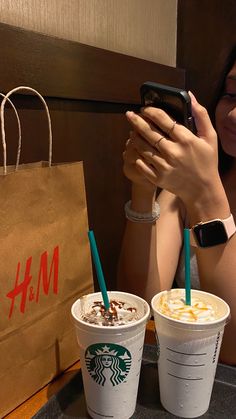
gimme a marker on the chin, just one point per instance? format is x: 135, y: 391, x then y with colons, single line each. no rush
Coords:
x: 231, y: 151
x: 229, y: 145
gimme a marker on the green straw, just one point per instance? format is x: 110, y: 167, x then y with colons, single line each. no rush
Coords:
x: 187, y: 267
x: 98, y: 268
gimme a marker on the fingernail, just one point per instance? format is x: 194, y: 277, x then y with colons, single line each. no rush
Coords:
x: 129, y: 114
x: 193, y: 98
x: 143, y: 109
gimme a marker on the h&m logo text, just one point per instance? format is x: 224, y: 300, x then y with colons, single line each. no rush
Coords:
x: 23, y: 289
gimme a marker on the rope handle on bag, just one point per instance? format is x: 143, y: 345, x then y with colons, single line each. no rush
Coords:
x: 19, y: 130
x: 16, y: 89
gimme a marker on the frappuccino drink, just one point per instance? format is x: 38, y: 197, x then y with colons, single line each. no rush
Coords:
x: 119, y: 313
x: 189, y: 339
x: 200, y: 310
x: 110, y: 346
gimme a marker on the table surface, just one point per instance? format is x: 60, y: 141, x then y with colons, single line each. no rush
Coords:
x: 31, y: 406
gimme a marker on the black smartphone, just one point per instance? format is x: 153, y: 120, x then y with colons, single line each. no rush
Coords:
x: 176, y: 102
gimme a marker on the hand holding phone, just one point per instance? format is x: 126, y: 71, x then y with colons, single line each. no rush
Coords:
x: 176, y: 102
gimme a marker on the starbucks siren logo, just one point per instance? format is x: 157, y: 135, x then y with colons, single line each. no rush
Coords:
x: 108, y: 362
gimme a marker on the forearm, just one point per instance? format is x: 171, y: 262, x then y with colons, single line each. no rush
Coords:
x: 138, y: 262
x: 217, y: 264
x: 150, y: 252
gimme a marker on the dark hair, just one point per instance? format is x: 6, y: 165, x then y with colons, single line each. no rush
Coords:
x: 225, y: 160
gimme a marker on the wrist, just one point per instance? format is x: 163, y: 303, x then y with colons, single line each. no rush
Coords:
x: 142, y: 198
x: 211, y: 203
x: 142, y: 217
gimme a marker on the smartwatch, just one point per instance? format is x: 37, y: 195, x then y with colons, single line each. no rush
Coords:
x: 213, y: 232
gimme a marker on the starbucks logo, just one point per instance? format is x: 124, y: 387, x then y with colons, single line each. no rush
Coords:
x: 107, y: 362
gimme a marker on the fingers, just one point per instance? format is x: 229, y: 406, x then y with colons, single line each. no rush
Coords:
x: 141, y: 145
x: 137, y: 169
x: 168, y: 154
x: 157, y: 143
x: 174, y: 132
x: 148, y: 154
x: 130, y: 155
x: 163, y: 126
x: 147, y: 134
x: 145, y: 128
x: 136, y: 149
x: 148, y: 171
x: 143, y: 148
x: 162, y: 154
x: 202, y: 120
x: 166, y: 124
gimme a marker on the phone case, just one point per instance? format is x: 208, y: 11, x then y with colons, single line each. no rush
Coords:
x: 176, y: 102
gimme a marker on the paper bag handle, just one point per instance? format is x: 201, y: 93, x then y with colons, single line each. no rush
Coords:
x: 16, y: 89
x: 19, y: 131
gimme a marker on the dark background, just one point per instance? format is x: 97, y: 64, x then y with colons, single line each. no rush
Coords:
x: 206, y: 33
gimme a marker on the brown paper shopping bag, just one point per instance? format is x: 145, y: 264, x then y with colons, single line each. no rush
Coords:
x: 44, y: 266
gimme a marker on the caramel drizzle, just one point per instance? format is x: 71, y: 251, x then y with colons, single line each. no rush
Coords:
x: 178, y: 315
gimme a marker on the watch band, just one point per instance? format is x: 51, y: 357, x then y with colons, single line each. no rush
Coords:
x: 227, y: 223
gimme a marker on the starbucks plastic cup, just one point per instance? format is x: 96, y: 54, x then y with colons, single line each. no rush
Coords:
x: 188, y: 356
x: 111, y: 358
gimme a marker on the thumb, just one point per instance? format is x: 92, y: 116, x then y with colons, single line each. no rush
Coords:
x: 202, y: 120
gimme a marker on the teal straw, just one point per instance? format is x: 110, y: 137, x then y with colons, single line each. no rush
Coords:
x: 187, y: 267
x: 98, y: 268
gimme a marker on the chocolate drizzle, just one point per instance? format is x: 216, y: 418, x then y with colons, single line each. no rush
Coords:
x: 117, y: 314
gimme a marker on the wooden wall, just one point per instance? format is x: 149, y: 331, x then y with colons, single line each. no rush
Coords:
x: 191, y: 34
x: 145, y: 29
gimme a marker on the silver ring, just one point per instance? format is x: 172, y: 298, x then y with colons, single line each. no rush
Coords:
x: 158, y: 141
x: 171, y: 128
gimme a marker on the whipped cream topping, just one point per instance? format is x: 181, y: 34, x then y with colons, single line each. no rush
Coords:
x: 119, y: 313
x: 198, y: 312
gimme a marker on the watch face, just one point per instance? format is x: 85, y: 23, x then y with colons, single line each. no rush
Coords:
x: 210, y: 234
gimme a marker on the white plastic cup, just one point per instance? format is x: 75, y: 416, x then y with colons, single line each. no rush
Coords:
x: 188, y: 355
x: 111, y: 358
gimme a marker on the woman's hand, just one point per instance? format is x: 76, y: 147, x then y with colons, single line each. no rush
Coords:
x: 131, y: 169
x: 172, y: 157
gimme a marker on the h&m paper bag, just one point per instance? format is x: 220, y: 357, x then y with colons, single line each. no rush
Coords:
x: 44, y: 266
